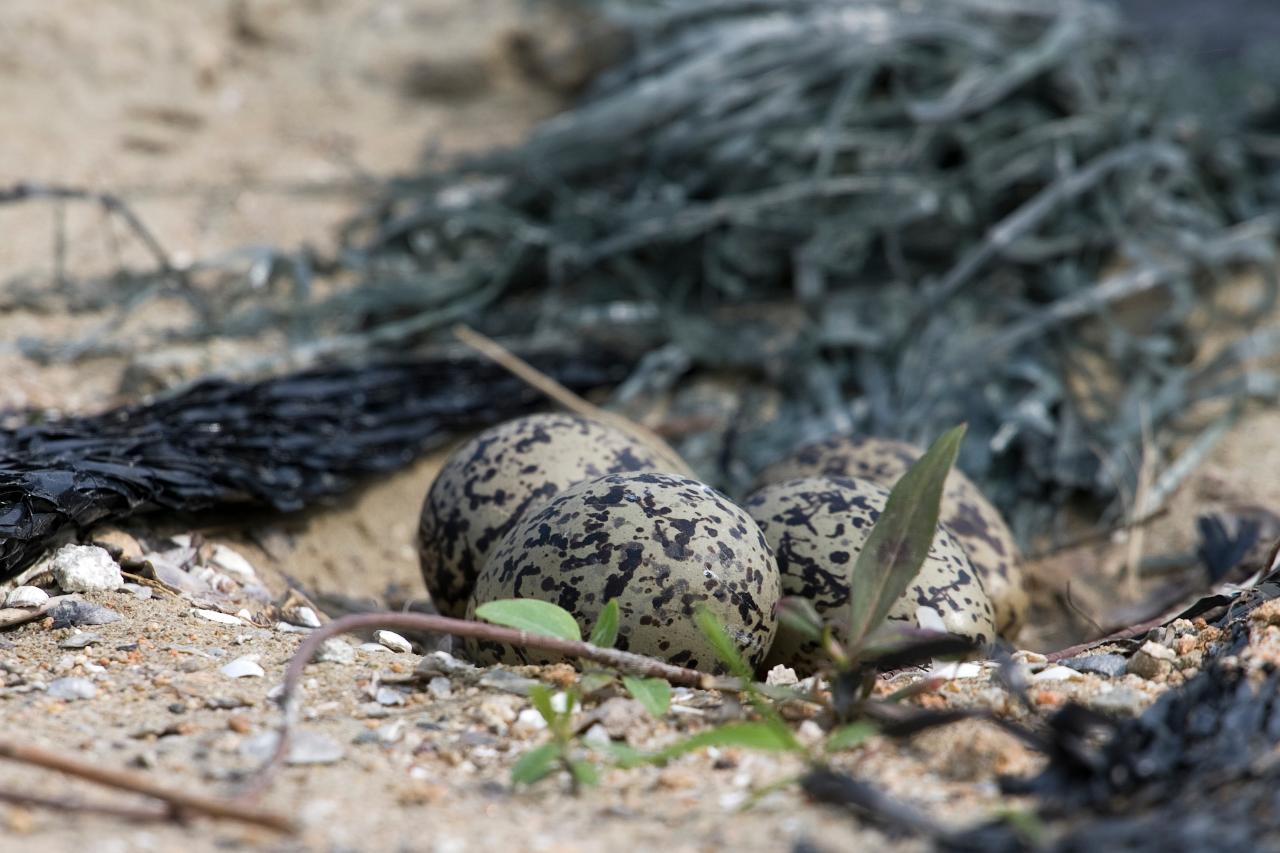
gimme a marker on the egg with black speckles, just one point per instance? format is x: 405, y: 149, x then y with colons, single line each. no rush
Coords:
x: 965, y: 511
x: 492, y: 481
x: 817, y: 527
x: 661, y: 545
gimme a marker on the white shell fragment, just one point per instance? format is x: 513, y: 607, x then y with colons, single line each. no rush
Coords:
x: 85, y: 568
x: 393, y: 641
x: 215, y: 616
x: 245, y: 667
x: 26, y: 596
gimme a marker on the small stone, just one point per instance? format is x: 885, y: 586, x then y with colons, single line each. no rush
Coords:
x: 1120, y: 701
x: 1055, y: 673
x: 215, y: 616
x: 245, y: 667
x: 140, y: 592
x: 231, y: 562
x: 620, y: 716
x: 85, y: 568
x: 376, y: 648
x: 597, y: 736
x: 306, y: 617
x: 72, y: 688
x: 393, y: 641
x: 389, y: 696
x: 1109, y: 666
x: 810, y: 733
x: 781, y: 676
x: 79, y: 641
x: 1153, y: 661
x: 508, y: 682
x: 336, y: 650
x: 1184, y: 645
x: 443, y: 663
x: 1029, y: 658
x: 69, y: 614
x: 26, y: 596
x: 305, y: 747
x: 117, y: 543
x: 240, y: 724
x: 440, y: 687
x: 287, y: 628
x: 529, y: 722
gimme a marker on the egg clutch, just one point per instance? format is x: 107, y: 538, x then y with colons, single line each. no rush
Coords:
x: 576, y: 512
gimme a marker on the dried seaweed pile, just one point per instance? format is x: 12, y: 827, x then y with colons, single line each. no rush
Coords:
x: 281, y: 443
x: 947, y: 204
x: 1196, y: 771
x: 897, y: 216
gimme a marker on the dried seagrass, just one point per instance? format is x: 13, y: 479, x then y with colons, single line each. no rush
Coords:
x: 281, y: 443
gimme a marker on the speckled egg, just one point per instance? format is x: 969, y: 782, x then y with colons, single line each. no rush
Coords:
x: 661, y: 545
x: 817, y: 527
x: 971, y: 518
x: 489, y: 483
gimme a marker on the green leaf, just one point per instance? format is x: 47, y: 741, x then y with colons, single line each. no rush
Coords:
x: 540, y: 695
x: 532, y: 615
x: 622, y: 754
x: 591, y: 682
x: 653, y: 693
x: 799, y: 615
x: 850, y: 735
x: 725, y: 648
x: 900, y: 540
x: 535, y: 764
x: 584, y: 772
x: 762, y: 735
x: 605, y: 633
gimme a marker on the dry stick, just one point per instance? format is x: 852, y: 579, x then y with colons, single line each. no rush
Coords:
x: 1123, y: 634
x: 69, y: 804
x: 620, y: 660
x: 520, y: 368
x: 178, y: 802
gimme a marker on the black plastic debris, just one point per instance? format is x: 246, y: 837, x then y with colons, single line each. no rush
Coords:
x: 282, y: 443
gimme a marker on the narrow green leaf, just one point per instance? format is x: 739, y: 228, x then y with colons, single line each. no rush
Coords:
x: 900, y: 541
x: 584, y: 772
x: 535, y: 764
x: 850, y: 735
x: 605, y: 633
x: 532, y: 615
x: 725, y: 648
x: 591, y: 682
x: 623, y: 755
x: 540, y: 695
x: 761, y: 735
x: 653, y: 693
x: 799, y: 615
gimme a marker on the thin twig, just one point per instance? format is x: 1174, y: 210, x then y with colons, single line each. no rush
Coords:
x: 71, y: 804
x: 517, y: 366
x: 1115, y: 637
x: 177, y: 801
x: 1094, y: 536
x: 628, y: 662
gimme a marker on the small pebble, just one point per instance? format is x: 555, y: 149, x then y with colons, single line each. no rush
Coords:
x: 26, y: 596
x: 1055, y: 673
x: 781, y: 676
x: 245, y: 667
x: 72, y: 688
x: 85, y: 568
x: 215, y: 616
x: 440, y: 687
x: 597, y: 735
x: 1119, y: 702
x: 393, y: 641
x: 529, y: 722
x: 389, y: 696
x: 306, y: 617
x: 443, y: 663
x: 69, y: 614
x: 233, y: 563
x: 1110, y: 666
x: 508, y: 682
x: 305, y: 747
x: 79, y: 641
x: 287, y: 628
x: 374, y: 647
x: 1152, y: 661
x: 336, y: 650
x: 140, y: 592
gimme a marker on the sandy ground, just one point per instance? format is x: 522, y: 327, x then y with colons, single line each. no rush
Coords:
x: 231, y: 123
